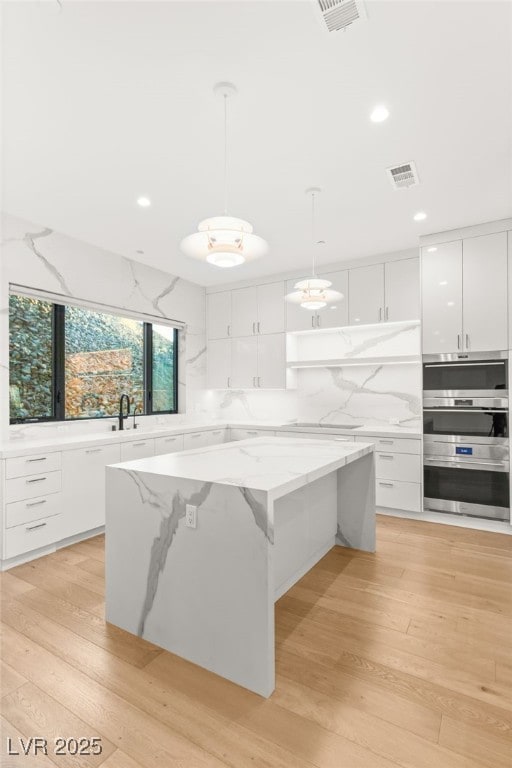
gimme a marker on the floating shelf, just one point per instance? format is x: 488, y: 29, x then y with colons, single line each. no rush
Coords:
x: 352, y: 361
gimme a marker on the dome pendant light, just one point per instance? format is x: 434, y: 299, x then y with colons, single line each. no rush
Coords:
x: 224, y: 241
x: 315, y: 292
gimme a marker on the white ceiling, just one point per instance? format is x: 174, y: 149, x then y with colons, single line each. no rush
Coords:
x: 106, y: 101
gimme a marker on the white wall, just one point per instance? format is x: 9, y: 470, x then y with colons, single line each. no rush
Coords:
x: 37, y: 257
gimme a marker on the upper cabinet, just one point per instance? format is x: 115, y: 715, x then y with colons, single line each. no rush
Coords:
x: 335, y: 315
x: 258, y: 310
x: 218, y: 315
x: 441, y: 285
x: 484, y: 293
x: 366, y: 302
x: 464, y: 295
x: 402, y: 290
x: 387, y: 292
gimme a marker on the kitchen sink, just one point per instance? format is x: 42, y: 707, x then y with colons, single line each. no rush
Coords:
x: 325, y: 426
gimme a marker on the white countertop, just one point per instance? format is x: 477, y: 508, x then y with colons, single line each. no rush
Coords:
x: 275, y: 465
x: 23, y: 446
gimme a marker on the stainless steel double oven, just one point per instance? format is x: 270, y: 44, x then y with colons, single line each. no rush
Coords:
x: 466, y: 434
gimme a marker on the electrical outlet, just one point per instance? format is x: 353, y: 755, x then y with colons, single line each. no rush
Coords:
x: 191, y: 516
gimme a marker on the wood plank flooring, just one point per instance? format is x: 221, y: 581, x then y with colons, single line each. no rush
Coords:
x: 402, y: 658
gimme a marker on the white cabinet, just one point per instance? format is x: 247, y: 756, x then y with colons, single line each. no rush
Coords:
x: 244, y: 362
x: 83, y: 487
x: 203, y: 439
x: 137, y: 449
x: 239, y: 433
x: 441, y: 287
x: 335, y: 315
x: 464, y: 295
x: 271, y: 369
x: 258, y: 310
x: 168, y: 444
x: 218, y: 364
x: 219, y: 315
x: 484, y: 291
x: 402, y: 290
x: 398, y: 471
x: 366, y: 301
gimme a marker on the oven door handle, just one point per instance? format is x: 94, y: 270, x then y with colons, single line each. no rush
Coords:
x: 492, y: 466
x: 456, y: 409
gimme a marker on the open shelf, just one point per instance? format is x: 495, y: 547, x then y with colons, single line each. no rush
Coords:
x: 346, y: 361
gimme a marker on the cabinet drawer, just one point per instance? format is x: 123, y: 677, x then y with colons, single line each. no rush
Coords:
x: 392, y: 444
x: 317, y: 436
x: 398, y: 466
x: 19, y: 512
x: 245, y: 434
x: 25, y: 538
x: 29, y: 465
x: 202, y: 439
x: 20, y: 488
x: 398, y: 495
x: 138, y: 449
x: 169, y: 444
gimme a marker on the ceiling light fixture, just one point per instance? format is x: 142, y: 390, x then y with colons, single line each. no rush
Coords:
x: 224, y: 241
x: 379, y: 114
x: 420, y: 216
x: 433, y: 249
x: 144, y: 202
x: 313, y: 293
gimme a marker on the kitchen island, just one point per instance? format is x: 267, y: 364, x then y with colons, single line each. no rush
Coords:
x: 265, y: 511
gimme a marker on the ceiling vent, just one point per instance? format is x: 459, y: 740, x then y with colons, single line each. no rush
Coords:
x: 340, y: 14
x: 403, y: 176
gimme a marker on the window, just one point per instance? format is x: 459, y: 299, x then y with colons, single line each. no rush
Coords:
x: 69, y: 362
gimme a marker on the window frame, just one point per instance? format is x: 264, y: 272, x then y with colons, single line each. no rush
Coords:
x: 59, y: 376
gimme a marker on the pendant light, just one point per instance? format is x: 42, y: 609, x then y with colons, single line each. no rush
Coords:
x: 315, y: 292
x: 224, y: 241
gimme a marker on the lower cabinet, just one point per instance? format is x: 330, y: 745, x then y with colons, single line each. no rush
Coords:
x: 83, y: 486
x: 169, y: 444
x: 238, y: 433
x: 202, y: 439
x: 397, y: 471
x: 137, y: 449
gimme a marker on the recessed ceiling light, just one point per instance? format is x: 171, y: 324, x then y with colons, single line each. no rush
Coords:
x: 420, y: 216
x: 443, y: 282
x: 144, y: 202
x: 379, y: 114
x: 450, y: 303
x: 433, y: 249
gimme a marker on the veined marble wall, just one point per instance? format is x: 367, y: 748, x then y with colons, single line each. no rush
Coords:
x: 387, y: 393
x: 38, y: 257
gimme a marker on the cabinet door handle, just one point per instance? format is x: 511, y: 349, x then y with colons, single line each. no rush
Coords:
x: 467, y: 340
x: 387, y: 442
x: 259, y: 329
x: 229, y: 381
x: 318, y: 321
x: 31, y: 461
x: 170, y: 439
x: 312, y: 321
x: 93, y: 450
x: 35, y: 503
x: 251, y: 432
x: 34, y: 527
x: 136, y: 445
x: 229, y: 330
x: 387, y: 485
x: 217, y: 432
x: 259, y: 381
x: 253, y: 328
x: 36, y: 480
x: 458, y: 341
x: 386, y: 456
x: 380, y: 314
x: 197, y: 434
x: 387, y: 313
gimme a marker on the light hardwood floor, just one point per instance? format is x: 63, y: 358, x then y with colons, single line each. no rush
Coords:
x: 403, y: 658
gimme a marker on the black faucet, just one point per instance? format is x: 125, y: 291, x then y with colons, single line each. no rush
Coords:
x: 123, y: 416
x: 135, y: 425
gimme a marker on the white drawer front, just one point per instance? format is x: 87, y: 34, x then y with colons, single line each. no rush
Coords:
x: 245, y: 434
x: 398, y: 466
x: 19, y: 488
x: 216, y: 436
x: 392, y: 444
x: 19, y: 512
x: 399, y: 495
x: 169, y: 444
x: 138, y: 449
x: 29, y: 465
x: 25, y: 538
x: 317, y: 436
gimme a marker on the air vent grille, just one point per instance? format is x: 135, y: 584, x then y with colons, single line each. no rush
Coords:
x: 403, y: 176
x: 340, y: 14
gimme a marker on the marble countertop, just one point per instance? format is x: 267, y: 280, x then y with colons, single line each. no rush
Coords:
x: 23, y: 446
x: 275, y: 465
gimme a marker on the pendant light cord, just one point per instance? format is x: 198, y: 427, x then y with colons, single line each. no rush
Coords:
x: 225, y: 154
x: 313, y: 239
